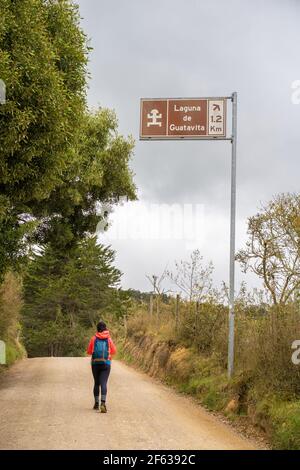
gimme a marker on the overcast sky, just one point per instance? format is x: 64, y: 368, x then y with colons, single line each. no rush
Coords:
x: 171, y: 48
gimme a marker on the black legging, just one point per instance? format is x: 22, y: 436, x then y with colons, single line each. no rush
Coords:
x: 100, y: 377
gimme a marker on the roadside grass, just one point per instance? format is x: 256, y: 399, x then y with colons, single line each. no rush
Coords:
x: 14, y: 352
x: 285, y: 417
x: 203, y: 378
x: 10, y: 327
x: 124, y: 355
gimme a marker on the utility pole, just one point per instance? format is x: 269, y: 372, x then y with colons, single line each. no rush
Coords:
x: 154, y: 289
x: 177, y: 312
x: 151, y: 305
x: 197, y: 316
x: 125, y: 325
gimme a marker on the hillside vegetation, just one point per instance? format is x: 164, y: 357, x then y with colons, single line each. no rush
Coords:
x: 265, y: 388
x: 185, y: 341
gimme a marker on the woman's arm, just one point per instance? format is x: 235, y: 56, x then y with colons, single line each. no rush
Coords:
x: 113, y: 348
x: 90, y: 348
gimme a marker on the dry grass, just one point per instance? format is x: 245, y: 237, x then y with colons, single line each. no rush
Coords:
x: 193, y: 357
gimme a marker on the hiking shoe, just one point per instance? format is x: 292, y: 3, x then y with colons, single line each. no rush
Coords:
x: 103, y: 408
x: 96, y: 406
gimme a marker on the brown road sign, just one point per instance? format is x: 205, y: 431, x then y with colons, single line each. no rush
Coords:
x: 195, y: 118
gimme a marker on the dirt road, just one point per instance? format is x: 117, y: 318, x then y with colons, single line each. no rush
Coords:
x: 46, y: 403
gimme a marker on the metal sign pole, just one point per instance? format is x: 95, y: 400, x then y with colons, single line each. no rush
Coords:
x: 190, y: 119
x: 232, y: 237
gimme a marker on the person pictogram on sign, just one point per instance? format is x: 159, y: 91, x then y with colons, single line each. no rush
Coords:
x: 154, y: 118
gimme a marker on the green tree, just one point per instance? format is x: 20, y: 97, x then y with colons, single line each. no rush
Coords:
x: 100, y: 175
x: 64, y: 297
x: 43, y: 57
x: 273, y: 249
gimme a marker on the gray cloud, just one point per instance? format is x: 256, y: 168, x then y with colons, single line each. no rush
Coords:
x: 199, y: 48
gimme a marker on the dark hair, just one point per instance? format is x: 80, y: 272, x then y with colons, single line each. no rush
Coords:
x: 101, y: 326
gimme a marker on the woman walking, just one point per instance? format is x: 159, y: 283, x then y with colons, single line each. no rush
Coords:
x: 101, y: 348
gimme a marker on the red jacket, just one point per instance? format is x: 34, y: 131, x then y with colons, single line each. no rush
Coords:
x: 103, y: 335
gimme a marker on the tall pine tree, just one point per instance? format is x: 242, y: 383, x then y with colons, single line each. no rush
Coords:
x: 65, y: 297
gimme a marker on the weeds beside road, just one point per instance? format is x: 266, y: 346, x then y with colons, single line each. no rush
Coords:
x: 192, y: 357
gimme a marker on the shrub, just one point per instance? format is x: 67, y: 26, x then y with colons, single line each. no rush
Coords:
x: 10, y: 306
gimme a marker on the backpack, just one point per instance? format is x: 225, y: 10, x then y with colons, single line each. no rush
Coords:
x: 101, y: 351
